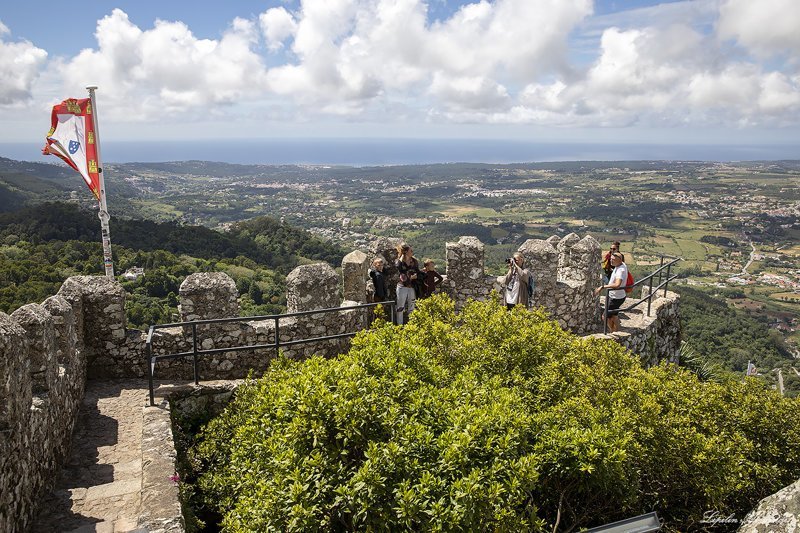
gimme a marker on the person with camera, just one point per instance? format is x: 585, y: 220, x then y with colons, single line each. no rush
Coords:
x: 408, y: 268
x: 516, y: 282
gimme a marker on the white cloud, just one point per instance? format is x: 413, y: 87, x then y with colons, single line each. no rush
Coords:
x: 766, y: 27
x: 20, y: 63
x: 664, y: 76
x: 164, y: 70
x: 470, y: 92
x: 361, y: 51
x: 277, y: 24
x: 493, y: 62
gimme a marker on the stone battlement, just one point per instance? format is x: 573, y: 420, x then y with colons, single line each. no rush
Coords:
x: 565, y: 272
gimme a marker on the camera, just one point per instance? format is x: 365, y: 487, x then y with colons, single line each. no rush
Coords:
x: 509, y: 260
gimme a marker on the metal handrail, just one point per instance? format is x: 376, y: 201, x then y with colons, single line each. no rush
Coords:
x: 650, y: 290
x: 195, y: 354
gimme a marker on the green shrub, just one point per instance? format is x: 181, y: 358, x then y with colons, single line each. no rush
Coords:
x: 488, y: 420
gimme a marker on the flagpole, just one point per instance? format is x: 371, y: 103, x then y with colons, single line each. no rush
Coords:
x: 108, y: 261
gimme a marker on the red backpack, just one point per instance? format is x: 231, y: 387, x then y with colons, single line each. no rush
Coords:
x: 629, y: 284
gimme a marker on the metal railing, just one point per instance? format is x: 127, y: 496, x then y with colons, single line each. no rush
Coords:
x: 277, y: 343
x: 651, y: 291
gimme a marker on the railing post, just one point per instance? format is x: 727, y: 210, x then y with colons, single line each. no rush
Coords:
x: 277, y: 336
x: 149, y: 351
x: 605, y: 316
x: 669, y: 268
x: 661, y: 272
x: 194, y: 354
x: 649, y: 294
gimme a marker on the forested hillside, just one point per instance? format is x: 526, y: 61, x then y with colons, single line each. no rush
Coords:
x: 723, y: 339
x: 728, y: 336
x: 43, y: 245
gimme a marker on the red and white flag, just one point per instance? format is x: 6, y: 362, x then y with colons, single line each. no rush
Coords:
x: 72, y: 138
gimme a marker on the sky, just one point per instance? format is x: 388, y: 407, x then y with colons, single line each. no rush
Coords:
x: 700, y: 71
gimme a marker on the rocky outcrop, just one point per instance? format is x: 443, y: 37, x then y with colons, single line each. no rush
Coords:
x: 779, y: 513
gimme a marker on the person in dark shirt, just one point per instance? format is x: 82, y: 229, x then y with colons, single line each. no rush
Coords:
x: 378, y: 280
x: 408, y: 268
x: 431, y: 278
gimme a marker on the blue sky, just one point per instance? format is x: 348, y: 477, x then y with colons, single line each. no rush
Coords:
x: 718, y: 71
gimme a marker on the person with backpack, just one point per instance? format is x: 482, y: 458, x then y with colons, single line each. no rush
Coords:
x: 517, y: 282
x: 617, y: 290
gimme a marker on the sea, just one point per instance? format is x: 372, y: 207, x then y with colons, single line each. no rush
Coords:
x: 379, y: 152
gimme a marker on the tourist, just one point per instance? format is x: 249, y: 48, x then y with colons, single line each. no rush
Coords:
x: 431, y: 278
x: 408, y: 268
x: 607, y: 268
x: 616, y: 293
x: 516, y: 282
x: 378, y: 278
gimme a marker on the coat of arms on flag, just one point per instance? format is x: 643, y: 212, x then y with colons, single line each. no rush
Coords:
x: 71, y: 138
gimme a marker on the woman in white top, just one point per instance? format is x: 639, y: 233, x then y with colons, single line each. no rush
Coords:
x: 616, y: 293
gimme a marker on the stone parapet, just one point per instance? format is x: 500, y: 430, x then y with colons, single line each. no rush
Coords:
x: 355, y: 266
x: 310, y: 287
x: 465, y: 275
x: 101, y: 320
x: 43, y: 373
x: 653, y: 338
x: 38, y: 325
x: 565, y: 273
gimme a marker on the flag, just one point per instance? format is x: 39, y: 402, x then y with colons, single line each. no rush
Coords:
x: 72, y: 138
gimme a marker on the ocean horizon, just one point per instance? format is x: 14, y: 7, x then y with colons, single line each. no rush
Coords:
x: 379, y: 152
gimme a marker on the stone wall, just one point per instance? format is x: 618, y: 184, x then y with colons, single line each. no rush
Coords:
x: 47, y: 352
x: 465, y: 274
x: 309, y: 287
x: 42, y: 374
x: 653, y: 338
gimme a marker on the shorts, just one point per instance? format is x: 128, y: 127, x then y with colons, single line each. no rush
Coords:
x: 613, y: 306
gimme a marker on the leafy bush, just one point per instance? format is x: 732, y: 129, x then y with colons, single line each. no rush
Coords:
x: 487, y: 420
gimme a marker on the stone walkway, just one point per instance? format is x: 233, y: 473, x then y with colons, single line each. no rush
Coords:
x: 99, y: 487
